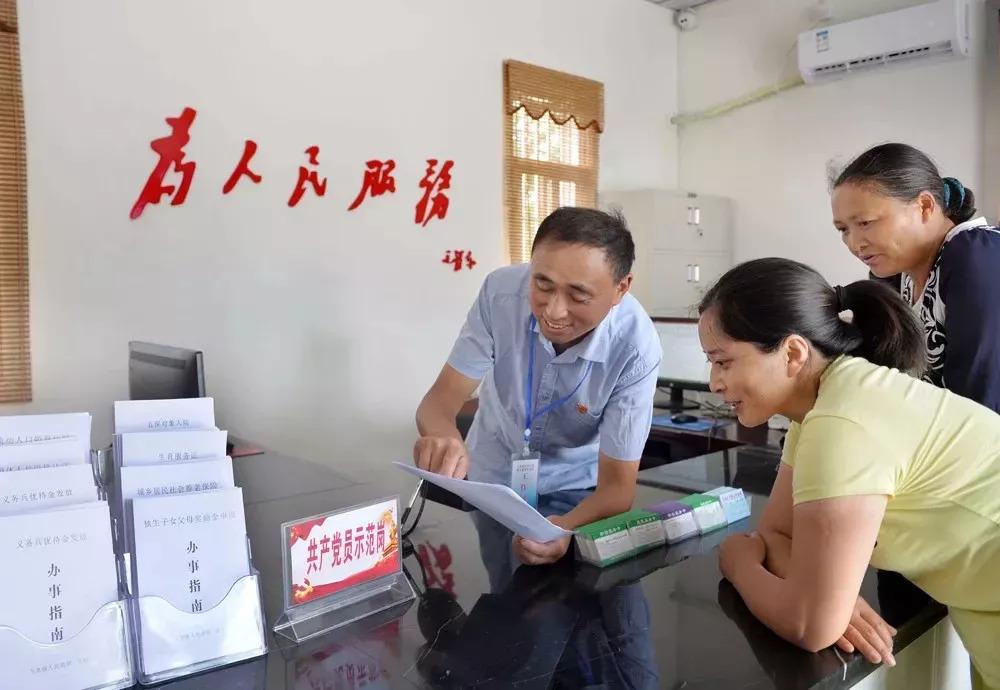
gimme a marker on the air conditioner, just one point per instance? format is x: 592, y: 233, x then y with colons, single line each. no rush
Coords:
x: 933, y: 31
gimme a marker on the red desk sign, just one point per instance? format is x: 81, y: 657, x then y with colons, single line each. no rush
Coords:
x: 325, y: 555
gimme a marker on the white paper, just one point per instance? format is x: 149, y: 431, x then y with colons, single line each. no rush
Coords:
x: 156, y: 447
x: 41, y: 456
x: 182, y: 414
x: 30, y: 490
x: 58, y: 570
x: 143, y: 481
x: 499, y: 502
x: 191, y: 548
x: 44, y: 440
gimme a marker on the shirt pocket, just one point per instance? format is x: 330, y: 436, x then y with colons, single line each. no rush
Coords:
x: 576, y: 424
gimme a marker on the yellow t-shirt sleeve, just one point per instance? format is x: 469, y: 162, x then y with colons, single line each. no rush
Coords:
x: 791, y: 441
x: 834, y: 456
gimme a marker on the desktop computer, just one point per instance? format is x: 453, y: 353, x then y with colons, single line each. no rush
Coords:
x: 684, y: 365
x: 161, y: 372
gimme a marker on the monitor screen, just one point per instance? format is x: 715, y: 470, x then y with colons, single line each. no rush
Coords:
x: 161, y: 372
x: 684, y: 361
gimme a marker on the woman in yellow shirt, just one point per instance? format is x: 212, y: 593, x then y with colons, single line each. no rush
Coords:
x: 878, y: 468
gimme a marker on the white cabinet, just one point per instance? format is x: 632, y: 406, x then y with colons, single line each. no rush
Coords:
x: 684, y: 243
x: 676, y: 281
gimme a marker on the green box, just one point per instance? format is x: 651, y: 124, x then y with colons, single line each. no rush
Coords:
x: 646, y: 529
x: 708, y: 512
x: 605, y: 541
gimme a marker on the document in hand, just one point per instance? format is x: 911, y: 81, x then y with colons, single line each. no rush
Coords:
x: 499, y: 502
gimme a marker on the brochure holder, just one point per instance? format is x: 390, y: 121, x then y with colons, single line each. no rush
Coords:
x: 96, y: 658
x: 169, y: 643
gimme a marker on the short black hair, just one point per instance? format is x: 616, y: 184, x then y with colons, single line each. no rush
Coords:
x: 592, y: 228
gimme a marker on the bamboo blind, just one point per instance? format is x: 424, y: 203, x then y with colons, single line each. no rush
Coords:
x: 15, y: 354
x: 552, y: 125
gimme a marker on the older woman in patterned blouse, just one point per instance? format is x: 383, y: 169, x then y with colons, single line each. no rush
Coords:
x: 906, y: 223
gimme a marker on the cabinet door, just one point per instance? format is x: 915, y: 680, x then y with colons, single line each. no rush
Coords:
x: 692, y: 223
x: 677, y: 281
x: 637, y: 207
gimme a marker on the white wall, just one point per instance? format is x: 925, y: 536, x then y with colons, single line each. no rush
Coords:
x: 991, y: 105
x: 771, y: 157
x: 321, y: 329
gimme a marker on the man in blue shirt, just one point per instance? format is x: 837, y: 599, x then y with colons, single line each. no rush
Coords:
x: 566, y: 322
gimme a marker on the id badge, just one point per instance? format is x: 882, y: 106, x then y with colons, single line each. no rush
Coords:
x: 524, y: 477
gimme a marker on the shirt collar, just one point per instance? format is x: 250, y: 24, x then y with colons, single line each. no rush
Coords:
x: 594, y: 348
x: 967, y: 225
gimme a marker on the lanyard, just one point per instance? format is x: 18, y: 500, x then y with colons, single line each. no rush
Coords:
x: 529, y: 414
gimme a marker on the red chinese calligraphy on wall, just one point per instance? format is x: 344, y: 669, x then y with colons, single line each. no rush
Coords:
x: 170, y: 149
x: 243, y: 168
x: 310, y: 176
x: 378, y: 180
x: 455, y: 257
x: 434, y: 187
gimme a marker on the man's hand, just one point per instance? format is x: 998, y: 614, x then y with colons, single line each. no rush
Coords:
x: 869, y: 635
x: 536, y: 553
x: 442, y: 455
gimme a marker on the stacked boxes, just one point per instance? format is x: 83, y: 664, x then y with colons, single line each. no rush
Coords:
x: 734, y: 503
x: 617, y: 538
x: 708, y: 512
x: 678, y: 520
x: 605, y: 542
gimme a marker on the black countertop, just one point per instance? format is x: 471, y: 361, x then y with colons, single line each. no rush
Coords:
x: 666, y: 619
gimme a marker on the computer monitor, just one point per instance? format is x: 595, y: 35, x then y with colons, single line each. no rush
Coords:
x: 160, y: 372
x: 684, y: 365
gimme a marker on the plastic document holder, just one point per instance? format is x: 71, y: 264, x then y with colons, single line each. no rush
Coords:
x: 168, y: 643
x: 96, y: 658
x: 171, y: 643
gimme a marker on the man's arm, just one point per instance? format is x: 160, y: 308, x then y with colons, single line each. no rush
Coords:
x: 613, y: 495
x: 440, y: 448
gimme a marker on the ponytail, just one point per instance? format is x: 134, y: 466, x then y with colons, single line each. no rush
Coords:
x: 884, y: 329
x: 959, y: 203
x: 766, y: 300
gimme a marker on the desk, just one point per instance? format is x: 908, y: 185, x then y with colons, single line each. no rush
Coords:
x: 666, y: 619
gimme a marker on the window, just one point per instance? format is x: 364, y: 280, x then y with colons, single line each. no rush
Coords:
x: 15, y: 353
x: 553, y: 122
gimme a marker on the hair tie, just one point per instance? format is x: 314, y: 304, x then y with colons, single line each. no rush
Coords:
x: 843, y: 312
x: 950, y: 183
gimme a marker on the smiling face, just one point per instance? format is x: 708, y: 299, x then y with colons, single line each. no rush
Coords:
x: 757, y: 384
x: 885, y: 233
x: 572, y: 289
